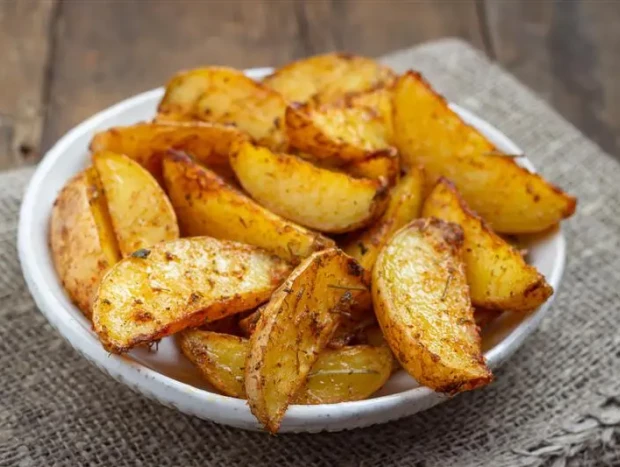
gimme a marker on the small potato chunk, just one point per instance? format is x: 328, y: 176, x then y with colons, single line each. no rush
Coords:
x: 347, y: 374
x: 498, y: 276
x: 295, y: 327
x: 225, y: 95
x: 405, y: 205
x: 82, y: 238
x: 421, y: 300
x: 317, y: 198
x: 140, y: 210
x: 337, y: 134
x: 206, y: 205
x: 179, y: 284
x: 508, y: 197
x: 146, y: 143
x: 383, y: 166
x: 329, y: 77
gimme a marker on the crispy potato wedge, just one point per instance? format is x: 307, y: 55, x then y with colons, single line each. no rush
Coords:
x: 347, y: 374
x: 405, y: 205
x: 509, y: 197
x: 329, y: 77
x: 140, y: 211
x: 146, y: 143
x: 379, y: 100
x: 179, y: 284
x: 421, y: 300
x: 295, y: 326
x: 338, y: 133
x: 497, y: 274
x: 82, y: 238
x: 206, y: 205
x: 383, y: 166
x: 317, y: 198
x: 225, y: 95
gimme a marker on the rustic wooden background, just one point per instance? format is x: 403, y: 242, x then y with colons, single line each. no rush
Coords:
x: 62, y: 60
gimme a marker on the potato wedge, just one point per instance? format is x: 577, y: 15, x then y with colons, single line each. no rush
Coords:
x: 317, y: 198
x: 146, y: 143
x: 498, y: 276
x: 405, y: 205
x: 347, y: 374
x: 379, y: 100
x: 421, y: 300
x: 140, y: 211
x: 82, y: 238
x: 338, y: 133
x: 295, y: 326
x: 225, y: 95
x: 206, y: 205
x: 382, y: 166
x: 510, y: 198
x: 174, y: 285
x: 329, y: 77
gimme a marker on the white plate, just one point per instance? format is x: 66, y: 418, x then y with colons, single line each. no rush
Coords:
x: 166, y: 375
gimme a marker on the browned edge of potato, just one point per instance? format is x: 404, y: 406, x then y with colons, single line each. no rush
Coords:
x: 316, y: 198
x: 295, y: 327
x: 378, y: 167
x: 421, y: 300
x: 184, y: 283
x: 497, y: 274
x: 207, y: 205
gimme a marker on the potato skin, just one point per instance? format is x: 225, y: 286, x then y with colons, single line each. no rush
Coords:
x: 316, y: 198
x: 509, y: 197
x: 206, y: 205
x: 498, y: 276
x: 422, y: 303
x: 295, y: 326
x: 80, y: 250
x: 140, y: 211
x: 179, y: 284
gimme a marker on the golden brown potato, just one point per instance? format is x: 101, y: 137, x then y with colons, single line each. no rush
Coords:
x: 206, y: 205
x: 225, y: 95
x: 379, y: 100
x: 383, y: 166
x: 498, y: 276
x: 337, y: 134
x: 329, y: 77
x: 140, y: 211
x: 81, y: 238
x: 146, y: 143
x: 295, y: 326
x: 510, y: 198
x: 404, y: 206
x: 347, y: 374
x: 317, y: 198
x: 174, y: 285
x: 421, y: 300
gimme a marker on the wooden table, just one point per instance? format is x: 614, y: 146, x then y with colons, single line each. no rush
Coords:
x: 62, y: 60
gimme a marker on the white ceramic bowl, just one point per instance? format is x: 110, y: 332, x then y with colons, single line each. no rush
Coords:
x: 166, y: 375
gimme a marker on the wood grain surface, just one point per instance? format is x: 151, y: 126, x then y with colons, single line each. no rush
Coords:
x: 63, y: 60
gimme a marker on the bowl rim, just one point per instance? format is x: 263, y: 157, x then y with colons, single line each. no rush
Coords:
x: 141, y: 377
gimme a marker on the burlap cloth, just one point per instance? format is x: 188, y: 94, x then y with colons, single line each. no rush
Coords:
x: 556, y: 402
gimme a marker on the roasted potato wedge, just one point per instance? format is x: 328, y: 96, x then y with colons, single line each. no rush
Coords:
x: 317, y: 198
x: 498, y: 276
x: 347, y: 374
x: 179, y: 284
x: 206, y: 205
x: 421, y: 301
x: 383, y: 166
x: 329, y: 77
x: 146, y: 143
x: 379, y: 100
x: 405, y: 205
x: 295, y: 326
x: 140, y: 211
x: 338, y: 133
x: 510, y: 198
x: 82, y: 238
x: 225, y: 95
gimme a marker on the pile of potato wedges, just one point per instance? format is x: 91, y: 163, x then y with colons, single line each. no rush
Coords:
x: 304, y: 236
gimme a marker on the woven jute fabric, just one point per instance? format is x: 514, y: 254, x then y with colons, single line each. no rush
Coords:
x: 556, y: 402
